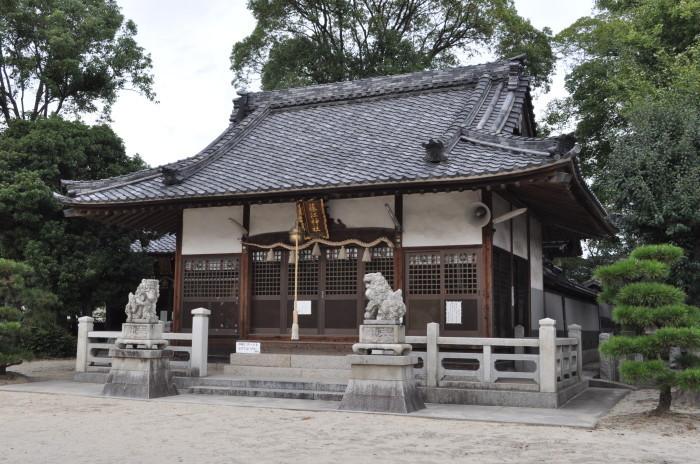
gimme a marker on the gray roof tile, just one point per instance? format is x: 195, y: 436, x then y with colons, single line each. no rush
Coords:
x: 362, y: 132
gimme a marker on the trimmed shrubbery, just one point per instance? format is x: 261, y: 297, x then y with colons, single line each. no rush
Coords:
x: 657, y: 318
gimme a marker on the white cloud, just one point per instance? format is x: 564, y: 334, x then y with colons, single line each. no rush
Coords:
x: 190, y: 43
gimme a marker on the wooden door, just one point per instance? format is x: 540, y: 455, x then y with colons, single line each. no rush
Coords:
x: 442, y: 284
x: 212, y: 282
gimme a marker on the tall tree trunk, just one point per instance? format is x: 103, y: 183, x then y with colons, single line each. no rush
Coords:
x: 664, y: 401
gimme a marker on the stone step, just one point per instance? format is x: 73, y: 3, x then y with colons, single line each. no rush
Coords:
x: 266, y: 372
x: 273, y: 384
x: 290, y: 360
x: 267, y: 393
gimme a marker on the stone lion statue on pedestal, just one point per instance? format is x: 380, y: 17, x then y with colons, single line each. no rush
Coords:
x: 384, y: 303
x: 142, y: 304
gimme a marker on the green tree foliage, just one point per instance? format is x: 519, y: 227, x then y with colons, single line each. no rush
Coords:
x: 306, y: 42
x: 18, y: 295
x: 656, y: 183
x: 627, y: 49
x: 634, y: 87
x: 83, y: 263
x: 658, y: 317
x: 67, y: 55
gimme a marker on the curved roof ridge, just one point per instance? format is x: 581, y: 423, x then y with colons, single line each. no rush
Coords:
x: 371, y: 86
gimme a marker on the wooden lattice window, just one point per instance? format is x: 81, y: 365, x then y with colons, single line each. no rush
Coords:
x: 382, y: 261
x: 341, y: 274
x: 266, y: 274
x: 308, y: 273
x: 424, y: 273
x: 461, y: 276
x: 211, y: 277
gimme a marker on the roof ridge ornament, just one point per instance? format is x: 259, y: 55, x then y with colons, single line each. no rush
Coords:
x: 434, y: 151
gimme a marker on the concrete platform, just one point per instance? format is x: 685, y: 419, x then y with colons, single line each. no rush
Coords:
x: 583, y: 411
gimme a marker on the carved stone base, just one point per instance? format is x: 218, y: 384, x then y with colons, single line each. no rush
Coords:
x: 382, y: 384
x: 149, y: 336
x: 138, y: 373
x: 382, y: 337
x: 381, y: 332
x: 396, y: 349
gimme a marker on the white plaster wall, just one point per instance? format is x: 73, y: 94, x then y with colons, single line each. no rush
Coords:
x: 439, y: 219
x: 501, y: 234
x: 209, y: 231
x: 362, y: 212
x: 273, y: 217
x: 582, y: 313
x: 519, y: 224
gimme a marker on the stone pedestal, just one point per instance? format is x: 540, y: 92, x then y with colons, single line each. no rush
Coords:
x: 140, y: 373
x: 381, y: 383
x: 382, y: 337
x: 148, y: 336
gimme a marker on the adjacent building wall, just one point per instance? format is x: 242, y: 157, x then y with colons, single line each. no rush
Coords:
x: 536, y: 274
x: 567, y: 310
x: 209, y: 230
x: 439, y: 219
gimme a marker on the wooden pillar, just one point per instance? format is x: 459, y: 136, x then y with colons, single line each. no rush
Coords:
x: 487, y: 278
x: 528, y: 319
x: 177, y: 278
x: 398, y: 250
x: 245, y: 281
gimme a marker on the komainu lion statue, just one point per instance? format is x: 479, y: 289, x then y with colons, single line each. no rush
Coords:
x: 384, y: 303
x: 142, y: 304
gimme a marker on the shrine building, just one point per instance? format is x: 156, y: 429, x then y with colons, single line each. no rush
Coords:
x: 436, y: 179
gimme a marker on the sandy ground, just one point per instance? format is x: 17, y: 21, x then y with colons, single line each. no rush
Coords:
x: 44, y: 369
x: 41, y: 428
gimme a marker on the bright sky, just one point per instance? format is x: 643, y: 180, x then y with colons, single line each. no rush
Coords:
x: 190, y: 43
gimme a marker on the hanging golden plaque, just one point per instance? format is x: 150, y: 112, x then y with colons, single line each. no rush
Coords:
x: 312, y: 217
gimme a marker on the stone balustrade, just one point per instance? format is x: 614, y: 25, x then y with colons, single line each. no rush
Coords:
x: 545, y: 364
x: 93, y: 346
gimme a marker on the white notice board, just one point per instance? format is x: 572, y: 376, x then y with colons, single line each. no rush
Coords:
x: 248, y: 347
x: 453, y: 312
x: 304, y: 307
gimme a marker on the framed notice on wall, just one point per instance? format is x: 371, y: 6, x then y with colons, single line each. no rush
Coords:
x: 304, y: 307
x: 453, y: 312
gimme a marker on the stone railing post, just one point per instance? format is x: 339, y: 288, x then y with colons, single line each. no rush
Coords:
x: 575, y: 332
x: 200, y: 341
x: 431, y: 353
x: 85, y: 326
x: 519, y: 332
x: 548, y: 355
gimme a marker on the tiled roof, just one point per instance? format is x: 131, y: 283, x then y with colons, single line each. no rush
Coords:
x: 356, y: 133
x: 163, y: 245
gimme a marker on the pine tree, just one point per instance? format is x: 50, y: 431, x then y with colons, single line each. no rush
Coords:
x: 12, y: 290
x: 655, y: 314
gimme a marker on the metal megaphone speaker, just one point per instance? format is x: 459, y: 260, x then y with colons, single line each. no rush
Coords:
x: 478, y: 214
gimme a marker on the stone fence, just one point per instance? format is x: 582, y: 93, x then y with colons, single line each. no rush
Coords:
x: 545, y: 364
x: 191, y: 350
